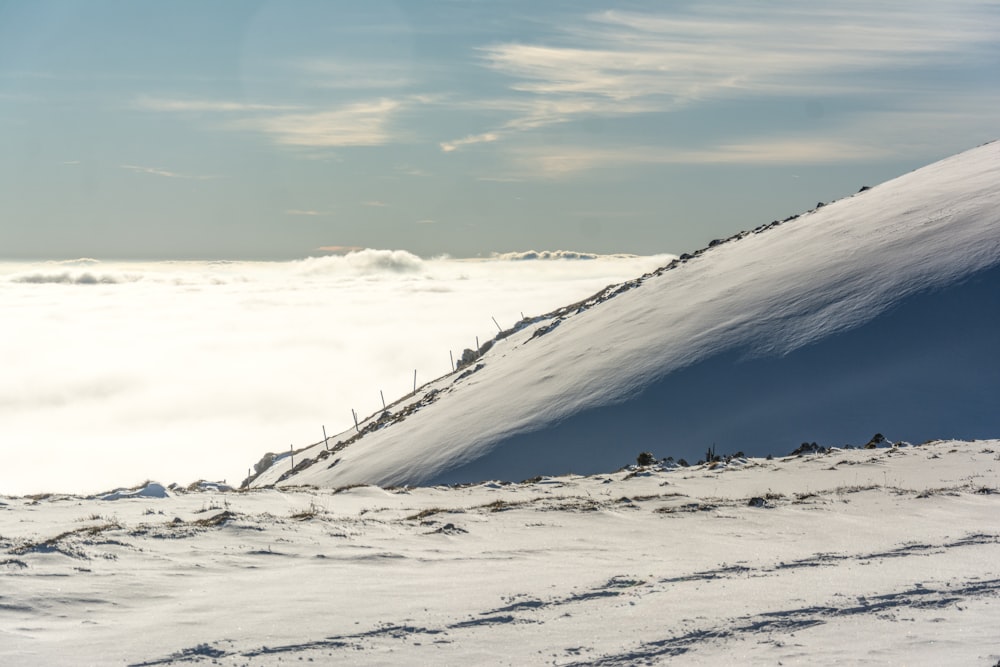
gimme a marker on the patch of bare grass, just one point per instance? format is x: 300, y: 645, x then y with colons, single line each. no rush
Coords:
x: 59, y: 544
x: 423, y: 514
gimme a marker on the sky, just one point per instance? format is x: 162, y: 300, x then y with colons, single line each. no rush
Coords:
x: 272, y: 130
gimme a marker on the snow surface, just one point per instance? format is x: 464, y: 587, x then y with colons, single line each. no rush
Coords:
x: 859, y: 556
x: 876, y: 312
x: 149, y: 490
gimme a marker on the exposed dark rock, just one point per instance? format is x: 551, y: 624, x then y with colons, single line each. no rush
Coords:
x: 877, y: 439
x: 808, y: 448
x: 645, y: 459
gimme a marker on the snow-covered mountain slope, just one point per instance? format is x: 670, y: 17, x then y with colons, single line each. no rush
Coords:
x: 751, y: 562
x: 878, y: 312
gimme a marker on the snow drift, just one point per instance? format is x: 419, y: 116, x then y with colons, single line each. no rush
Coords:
x: 874, y: 313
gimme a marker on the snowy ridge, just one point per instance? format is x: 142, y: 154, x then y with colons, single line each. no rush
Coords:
x: 538, y: 400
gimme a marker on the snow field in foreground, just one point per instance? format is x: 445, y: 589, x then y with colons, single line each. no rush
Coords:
x: 755, y: 561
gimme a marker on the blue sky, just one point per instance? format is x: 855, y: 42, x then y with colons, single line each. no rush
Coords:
x: 271, y: 130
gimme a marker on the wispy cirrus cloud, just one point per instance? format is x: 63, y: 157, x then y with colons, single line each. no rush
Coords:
x: 562, y: 161
x: 909, y: 132
x: 166, y: 104
x: 156, y: 171
x: 617, y: 63
x: 485, y: 137
x: 410, y: 170
x: 307, y: 212
x: 530, y: 114
x: 358, y: 124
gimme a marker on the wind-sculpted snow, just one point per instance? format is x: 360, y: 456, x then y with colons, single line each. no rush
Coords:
x: 876, y: 312
x: 741, y: 561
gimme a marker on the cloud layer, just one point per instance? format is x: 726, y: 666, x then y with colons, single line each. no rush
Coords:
x: 117, y: 372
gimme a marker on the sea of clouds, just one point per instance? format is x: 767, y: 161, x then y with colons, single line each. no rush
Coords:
x: 116, y: 372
